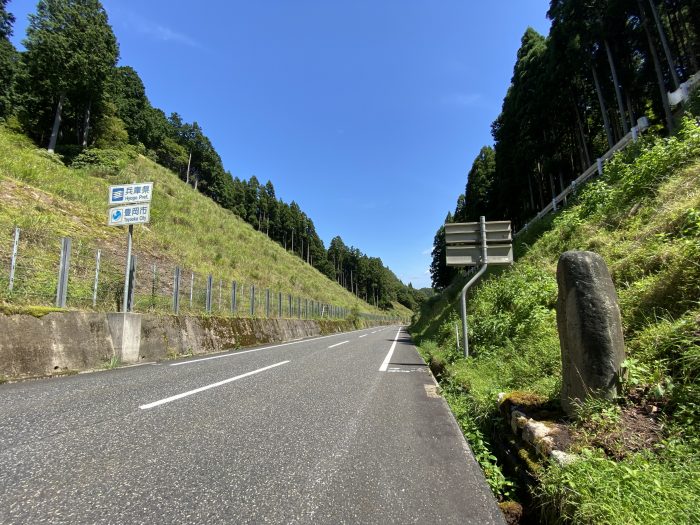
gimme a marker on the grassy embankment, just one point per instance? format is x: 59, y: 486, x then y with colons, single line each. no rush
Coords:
x: 48, y: 200
x: 638, y: 458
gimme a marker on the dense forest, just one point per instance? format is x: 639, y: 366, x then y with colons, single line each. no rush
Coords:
x: 67, y: 93
x: 573, y: 95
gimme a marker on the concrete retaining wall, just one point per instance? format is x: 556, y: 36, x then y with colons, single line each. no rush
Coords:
x: 60, y: 342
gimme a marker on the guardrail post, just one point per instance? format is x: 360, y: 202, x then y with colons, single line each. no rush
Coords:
x: 210, y: 283
x: 176, y: 291
x: 154, y: 284
x: 13, y: 263
x: 599, y: 163
x: 191, y: 288
x: 97, y: 278
x: 63, y: 267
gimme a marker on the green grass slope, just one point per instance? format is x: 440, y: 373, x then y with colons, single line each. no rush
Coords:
x: 639, y: 458
x: 47, y: 201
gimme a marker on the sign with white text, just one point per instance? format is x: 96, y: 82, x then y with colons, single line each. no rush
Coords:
x: 130, y: 193
x: 129, y: 214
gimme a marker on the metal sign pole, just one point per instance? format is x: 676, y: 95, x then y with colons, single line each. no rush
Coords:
x: 484, y: 265
x: 125, y: 304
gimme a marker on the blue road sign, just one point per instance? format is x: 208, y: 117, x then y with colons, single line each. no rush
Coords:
x: 129, y: 214
x: 130, y: 193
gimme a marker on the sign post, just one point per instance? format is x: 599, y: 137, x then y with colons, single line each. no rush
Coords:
x: 129, y: 204
x: 477, y: 243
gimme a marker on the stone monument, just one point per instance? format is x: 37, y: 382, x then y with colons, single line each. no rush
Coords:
x: 590, y: 329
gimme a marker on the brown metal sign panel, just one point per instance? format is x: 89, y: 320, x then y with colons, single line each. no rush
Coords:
x: 497, y: 237
x: 466, y: 227
x: 471, y: 255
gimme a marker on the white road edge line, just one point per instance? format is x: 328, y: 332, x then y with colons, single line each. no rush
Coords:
x: 207, y: 387
x: 338, y: 344
x: 387, y: 359
x: 234, y: 353
x: 365, y: 335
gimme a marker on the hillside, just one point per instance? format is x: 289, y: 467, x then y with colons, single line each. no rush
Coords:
x: 637, y: 459
x: 47, y: 201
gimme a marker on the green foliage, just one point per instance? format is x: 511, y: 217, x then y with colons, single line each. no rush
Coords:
x: 354, y: 317
x: 654, y: 164
x: 113, y: 362
x: 9, y: 64
x: 440, y: 274
x: 6, y: 21
x: 478, y: 193
x: 110, y: 130
x: 71, y: 50
x: 507, y: 307
x: 481, y: 448
x: 102, y: 160
x: 644, y: 488
x: 693, y: 106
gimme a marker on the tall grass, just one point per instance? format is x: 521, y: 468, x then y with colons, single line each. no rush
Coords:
x: 47, y: 200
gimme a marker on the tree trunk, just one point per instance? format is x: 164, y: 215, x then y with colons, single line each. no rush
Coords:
x: 583, y: 161
x: 659, y: 74
x: 56, y: 123
x: 603, y: 109
x: 187, y: 174
x: 664, y: 43
x: 630, y: 112
x: 532, y: 195
x: 552, y: 185
x: 86, y: 125
x: 586, y: 156
x: 679, y: 43
x: 618, y: 91
x: 540, y: 188
x: 685, y: 41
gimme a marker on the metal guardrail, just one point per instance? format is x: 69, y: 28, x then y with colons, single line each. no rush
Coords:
x: 595, y: 169
x: 37, y: 270
x: 682, y: 94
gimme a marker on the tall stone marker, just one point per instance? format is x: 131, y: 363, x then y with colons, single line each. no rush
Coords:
x: 590, y: 329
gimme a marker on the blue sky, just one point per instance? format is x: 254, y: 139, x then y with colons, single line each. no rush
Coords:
x: 368, y: 113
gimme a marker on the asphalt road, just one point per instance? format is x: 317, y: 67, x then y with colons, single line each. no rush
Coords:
x: 338, y: 429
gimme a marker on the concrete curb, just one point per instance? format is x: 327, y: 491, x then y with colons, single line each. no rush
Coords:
x: 62, y: 342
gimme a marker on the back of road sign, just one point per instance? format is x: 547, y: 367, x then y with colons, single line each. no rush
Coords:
x: 463, y: 241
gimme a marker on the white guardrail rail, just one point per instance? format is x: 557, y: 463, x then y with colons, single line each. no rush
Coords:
x: 597, y: 168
